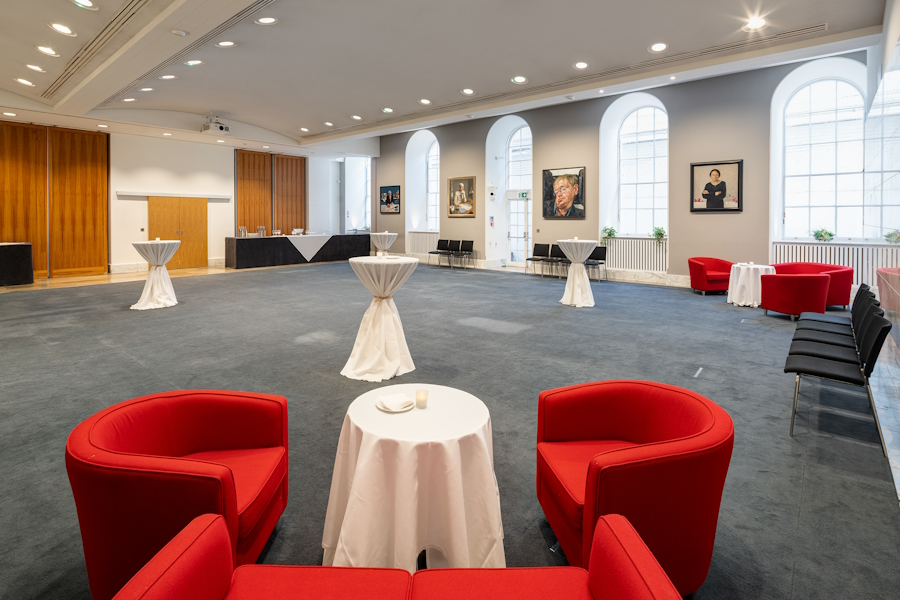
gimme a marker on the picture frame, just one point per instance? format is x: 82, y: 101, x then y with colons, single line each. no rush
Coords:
x: 727, y: 187
x: 389, y: 199
x: 563, y: 193
x: 461, y: 201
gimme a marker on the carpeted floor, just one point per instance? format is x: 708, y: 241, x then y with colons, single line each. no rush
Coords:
x: 810, y: 517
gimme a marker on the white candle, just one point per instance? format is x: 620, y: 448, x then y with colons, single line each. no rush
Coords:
x: 157, y: 239
x: 576, y: 238
x: 421, y: 398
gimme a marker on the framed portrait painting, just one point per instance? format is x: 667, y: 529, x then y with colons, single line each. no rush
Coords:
x: 563, y: 193
x: 462, y: 196
x: 389, y: 199
x: 717, y: 186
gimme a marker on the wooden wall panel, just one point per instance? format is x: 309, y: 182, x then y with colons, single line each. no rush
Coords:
x: 253, y: 175
x: 290, y: 193
x: 23, y: 189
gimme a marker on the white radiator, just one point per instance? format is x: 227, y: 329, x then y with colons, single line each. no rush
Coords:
x: 637, y: 254
x: 421, y: 242
x: 864, y: 258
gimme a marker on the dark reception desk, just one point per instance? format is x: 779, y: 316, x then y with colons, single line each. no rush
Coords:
x: 245, y: 253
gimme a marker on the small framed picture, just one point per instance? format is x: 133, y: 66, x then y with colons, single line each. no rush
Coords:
x: 462, y: 196
x: 563, y: 193
x: 717, y: 186
x: 389, y: 199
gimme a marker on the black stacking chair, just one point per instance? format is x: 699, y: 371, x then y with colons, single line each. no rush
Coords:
x: 840, y: 337
x: 861, y: 309
x: 597, y: 258
x: 837, y: 365
x: 442, y: 249
x: 557, y: 257
x: 540, y: 254
x: 861, y: 293
x: 452, y: 249
x: 466, y: 251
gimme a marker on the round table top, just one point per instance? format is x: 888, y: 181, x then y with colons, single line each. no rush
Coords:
x: 450, y: 414
x: 383, y: 239
x: 157, y: 242
x: 384, y: 260
x: 574, y: 241
x: 751, y: 266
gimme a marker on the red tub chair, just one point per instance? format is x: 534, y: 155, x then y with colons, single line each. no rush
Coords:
x: 841, y: 279
x: 709, y: 274
x: 196, y: 565
x: 794, y: 294
x: 654, y: 453
x: 143, y: 469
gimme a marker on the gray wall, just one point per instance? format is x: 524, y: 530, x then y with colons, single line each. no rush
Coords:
x: 722, y: 118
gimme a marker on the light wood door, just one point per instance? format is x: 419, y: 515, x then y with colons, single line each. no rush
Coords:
x: 253, y: 176
x: 290, y: 192
x: 164, y: 222
x: 185, y: 219
x: 23, y: 189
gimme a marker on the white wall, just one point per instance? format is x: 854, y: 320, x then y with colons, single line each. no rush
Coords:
x: 354, y: 193
x: 324, y: 195
x: 151, y: 166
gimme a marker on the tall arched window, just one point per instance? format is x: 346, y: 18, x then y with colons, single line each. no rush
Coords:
x: 518, y: 164
x: 824, y: 143
x: 432, y: 187
x: 643, y: 171
x: 369, y: 193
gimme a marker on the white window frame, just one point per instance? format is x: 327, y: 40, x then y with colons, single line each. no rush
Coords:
x: 653, y: 210
x: 509, y: 160
x: 433, y: 196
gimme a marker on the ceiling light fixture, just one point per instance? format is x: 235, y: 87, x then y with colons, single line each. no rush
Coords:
x: 9, y: 114
x: 146, y: 89
x: 672, y: 78
x: 570, y: 97
x: 304, y: 129
x: 329, y: 124
x: 193, y: 63
x: 658, y: 47
x: 467, y: 91
x: 103, y: 126
x: 167, y: 77
x: 755, y: 24
x: 580, y: 65
x: 519, y: 80
x: 36, y: 68
x: 266, y: 21
x: 25, y: 82
x: 425, y: 101
x: 356, y: 118
x: 387, y: 110
x: 470, y: 116
x: 221, y: 141
x: 226, y: 44
x: 60, y: 28
x: 127, y: 99
x: 266, y: 147
x: 180, y: 32
x: 599, y: 91
x: 85, y: 4
x: 47, y: 50
x: 167, y: 134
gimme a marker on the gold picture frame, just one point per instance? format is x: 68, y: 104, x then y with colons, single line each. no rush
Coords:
x: 461, y: 197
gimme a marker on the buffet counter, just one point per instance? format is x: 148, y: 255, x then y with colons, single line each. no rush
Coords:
x: 272, y: 251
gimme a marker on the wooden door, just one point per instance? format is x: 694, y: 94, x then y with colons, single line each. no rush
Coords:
x: 23, y: 189
x: 193, y: 222
x: 253, y: 176
x: 78, y: 203
x: 164, y: 222
x: 290, y: 192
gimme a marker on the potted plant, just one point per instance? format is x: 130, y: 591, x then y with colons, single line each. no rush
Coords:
x: 892, y: 237
x: 822, y: 235
x: 660, y: 234
x: 608, y: 232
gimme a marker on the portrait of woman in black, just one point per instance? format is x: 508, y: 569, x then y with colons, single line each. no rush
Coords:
x: 714, y: 192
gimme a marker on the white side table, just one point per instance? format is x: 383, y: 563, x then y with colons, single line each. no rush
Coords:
x: 745, y: 283
x: 158, y: 291
x: 578, y: 286
x: 412, y: 481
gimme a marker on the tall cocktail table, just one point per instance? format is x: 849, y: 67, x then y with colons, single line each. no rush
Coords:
x: 158, y: 291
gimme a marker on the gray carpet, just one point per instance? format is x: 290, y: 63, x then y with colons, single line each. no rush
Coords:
x: 810, y: 517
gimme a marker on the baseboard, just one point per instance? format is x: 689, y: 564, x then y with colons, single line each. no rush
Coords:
x: 645, y: 277
x: 128, y: 267
x: 682, y: 281
x: 217, y: 262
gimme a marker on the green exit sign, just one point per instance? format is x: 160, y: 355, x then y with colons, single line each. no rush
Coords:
x: 523, y: 194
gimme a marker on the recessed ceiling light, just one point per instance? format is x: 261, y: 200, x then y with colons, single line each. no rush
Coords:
x: 356, y: 118
x: 146, y: 89
x: 425, y: 101
x: 470, y: 116
x: 103, y: 126
x: 221, y: 141
x: 47, y: 50
x: 168, y: 76
x: 329, y: 124
x: 580, y: 65
x: 167, y: 134
x: 467, y: 91
x: 193, y: 63
x: 672, y: 78
x: 266, y: 147
x: 10, y: 114
x: 266, y: 21
x: 226, y: 44
x: 387, y: 110
x: 519, y: 80
x: 60, y: 28
x: 304, y: 129
x: 86, y: 4
x: 127, y: 99
x: 36, y: 68
x: 180, y: 32
x: 658, y: 47
x: 570, y: 97
x: 25, y: 82
x: 599, y: 91
x: 755, y: 24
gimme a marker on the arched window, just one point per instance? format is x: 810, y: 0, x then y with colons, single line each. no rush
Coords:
x: 432, y: 187
x: 518, y: 164
x: 643, y: 171
x: 824, y: 139
x: 369, y: 193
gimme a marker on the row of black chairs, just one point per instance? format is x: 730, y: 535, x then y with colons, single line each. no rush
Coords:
x: 840, y: 348
x: 462, y: 249
x: 547, y: 254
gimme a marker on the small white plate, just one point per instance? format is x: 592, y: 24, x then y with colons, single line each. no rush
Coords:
x: 384, y: 408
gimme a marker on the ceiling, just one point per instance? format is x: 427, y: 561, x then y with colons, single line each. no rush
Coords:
x: 327, y: 61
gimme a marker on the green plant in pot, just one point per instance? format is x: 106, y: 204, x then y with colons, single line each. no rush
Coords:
x: 822, y: 235
x: 659, y: 233
x: 892, y: 237
x: 608, y: 232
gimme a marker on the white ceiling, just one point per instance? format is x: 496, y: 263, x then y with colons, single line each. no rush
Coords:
x: 326, y: 61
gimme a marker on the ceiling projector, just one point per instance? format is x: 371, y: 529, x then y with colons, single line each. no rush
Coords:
x: 213, y: 125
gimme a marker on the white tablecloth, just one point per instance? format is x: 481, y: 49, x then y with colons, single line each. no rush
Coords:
x: 745, y: 283
x: 413, y: 481
x: 383, y: 240
x: 158, y: 291
x: 578, y: 285
x: 380, y: 351
x: 308, y: 245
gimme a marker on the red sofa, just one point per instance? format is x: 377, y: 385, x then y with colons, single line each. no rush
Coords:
x: 654, y: 453
x: 709, y: 274
x: 840, y: 279
x: 196, y: 565
x: 141, y: 470
x: 794, y: 293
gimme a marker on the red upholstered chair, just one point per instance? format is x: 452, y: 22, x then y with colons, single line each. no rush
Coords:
x: 141, y: 470
x: 841, y: 279
x: 709, y: 274
x: 654, y: 453
x: 794, y: 294
x: 196, y: 565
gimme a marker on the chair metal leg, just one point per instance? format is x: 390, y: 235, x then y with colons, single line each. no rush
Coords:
x: 877, y: 422
x: 766, y: 311
x: 703, y: 292
x: 792, y: 318
x: 794, y: 412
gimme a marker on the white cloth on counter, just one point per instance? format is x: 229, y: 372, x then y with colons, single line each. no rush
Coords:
x: 578, y: 284
x: 745, y: 283
x: 380, y: 351
x: 383, y: 240
x: 308, y: 245
x: 158, y: 291
x: 422, y: 479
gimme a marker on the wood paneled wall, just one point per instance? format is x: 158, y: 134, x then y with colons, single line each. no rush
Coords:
x: 23, y: 189
x: 290, y: 193
x: 78, y: 203
x: 253, y: 201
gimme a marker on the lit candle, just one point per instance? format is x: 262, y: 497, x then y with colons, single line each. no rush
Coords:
x: 157, y: 239
x: 421, y: 398
x: 576, y: 238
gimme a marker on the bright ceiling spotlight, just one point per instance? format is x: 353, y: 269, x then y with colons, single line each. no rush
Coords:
x: 425, y: 101
x: 85, y: 4
x: 672, y: 78
x: 103, y: 126
x: 387, y: 110
x: 304, y: 129
x: 266, y: 21
x: 167, y: 134
x: 221, y: 141
x: 356, y: 118
x: 146, y: 89
x: 193, y: 63
x: 468, y: 91
x: 47, y: 50
x: 755, y: 24
x: 519, y: 80
x: 60, y: 28
x: 329, y: 124
x: 36, y: 68
x: 167, y: 77
x: 9, y: 114
x: 226, y: 44
x: 127, y: 99
x: 580, y: 65
x: 266, y: 147
x: 25, y: 82
x: 658, y: 47
x: 599, y: 91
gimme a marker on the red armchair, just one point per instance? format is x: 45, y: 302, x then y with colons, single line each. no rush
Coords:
x: 841, y: 279
x: 794, y: 294
x: 196, y: 565
x: 709, y: 274
x: 654, y: 453
x: 141, y: 470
